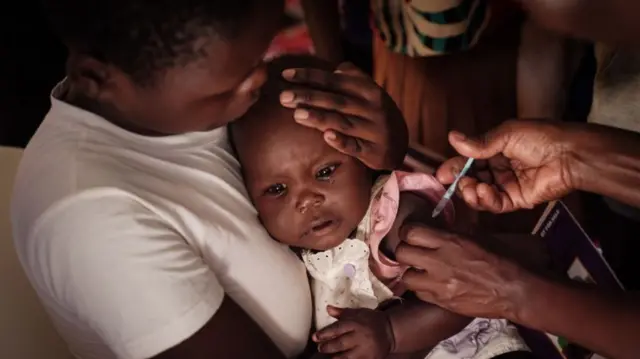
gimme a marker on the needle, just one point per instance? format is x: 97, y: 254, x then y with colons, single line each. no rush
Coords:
x: 447, y: 196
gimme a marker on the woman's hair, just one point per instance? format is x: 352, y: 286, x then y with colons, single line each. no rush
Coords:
x: 143, y: 36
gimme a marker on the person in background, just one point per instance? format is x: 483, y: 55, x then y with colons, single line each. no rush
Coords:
x: 456, y: 64
x: 340, y: 31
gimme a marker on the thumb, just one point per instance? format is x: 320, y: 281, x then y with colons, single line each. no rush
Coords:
x: 334, y: 311
x: 490, y: 144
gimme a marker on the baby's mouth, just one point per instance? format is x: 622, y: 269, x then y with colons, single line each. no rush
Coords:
x: 322, y: 227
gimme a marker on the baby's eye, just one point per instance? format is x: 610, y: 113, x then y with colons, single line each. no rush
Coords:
x: 275, y: 190
x: 326, y: 172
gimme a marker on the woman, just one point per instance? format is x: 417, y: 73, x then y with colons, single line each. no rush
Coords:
x: 129, y: 214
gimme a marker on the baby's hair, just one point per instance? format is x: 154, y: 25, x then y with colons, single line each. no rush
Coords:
x: 142, y: 37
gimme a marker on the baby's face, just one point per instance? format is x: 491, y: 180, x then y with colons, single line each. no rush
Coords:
x: 307, y: 194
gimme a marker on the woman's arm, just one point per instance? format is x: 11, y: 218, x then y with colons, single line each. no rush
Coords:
x: 323, y: 20
x: 462, y: 275
x: 546, y: 64
x: 605, y: 161
x: 226, y: 335
x: 607, y: 323
x: 612, y: 21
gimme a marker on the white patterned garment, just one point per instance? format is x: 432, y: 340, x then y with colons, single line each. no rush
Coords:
x: 343, y: 276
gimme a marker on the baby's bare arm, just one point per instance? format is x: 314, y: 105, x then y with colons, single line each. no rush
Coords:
x: 418, y: 325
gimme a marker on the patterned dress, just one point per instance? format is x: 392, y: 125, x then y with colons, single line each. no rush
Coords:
x: 429, y: 27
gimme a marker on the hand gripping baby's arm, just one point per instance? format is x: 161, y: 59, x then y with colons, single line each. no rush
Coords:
x: 418, y: 325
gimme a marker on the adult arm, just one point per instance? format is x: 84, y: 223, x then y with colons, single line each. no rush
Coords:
x: 532, y: 162
x: 122, y: 273
x: 611, y: 21
x: 546, y: 64
x: 230, y: 333
x: 323, y: 21
x: 607, y: 323
x: 606, y: 161
x: 461, y: 275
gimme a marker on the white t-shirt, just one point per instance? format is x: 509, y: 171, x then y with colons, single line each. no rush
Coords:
x: 132, y: 242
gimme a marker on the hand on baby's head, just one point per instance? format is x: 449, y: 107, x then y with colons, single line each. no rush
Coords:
x: 357, y: 116
x: 307, y: 194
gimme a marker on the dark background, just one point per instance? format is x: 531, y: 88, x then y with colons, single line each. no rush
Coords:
x: 31, y: 62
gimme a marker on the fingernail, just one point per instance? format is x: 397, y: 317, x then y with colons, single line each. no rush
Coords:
x: 288, y: 73
x: 410, y: 233
x: 330, y: 135
x: 301, y: 114
x: 245, y: 86
x: 458, y: 136
x: 287, y: 97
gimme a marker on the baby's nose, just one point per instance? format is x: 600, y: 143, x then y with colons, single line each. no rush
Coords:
x: 309, y: 200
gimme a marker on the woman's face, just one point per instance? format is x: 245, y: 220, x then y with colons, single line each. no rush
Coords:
x: 208, y: 92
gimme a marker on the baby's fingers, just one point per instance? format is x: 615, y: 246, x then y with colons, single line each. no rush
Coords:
x: 333, y: 331
x: 340, y: 344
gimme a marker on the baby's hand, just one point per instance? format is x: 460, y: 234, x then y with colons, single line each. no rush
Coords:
x: 357, y: 117
x: 358, y: 333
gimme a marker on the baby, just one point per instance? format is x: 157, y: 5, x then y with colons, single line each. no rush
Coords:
x: 343, y: 220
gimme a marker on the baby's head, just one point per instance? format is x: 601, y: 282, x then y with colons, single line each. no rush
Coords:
x: 307, y: 194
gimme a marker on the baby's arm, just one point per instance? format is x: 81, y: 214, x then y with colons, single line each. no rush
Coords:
x: 418, y: 325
